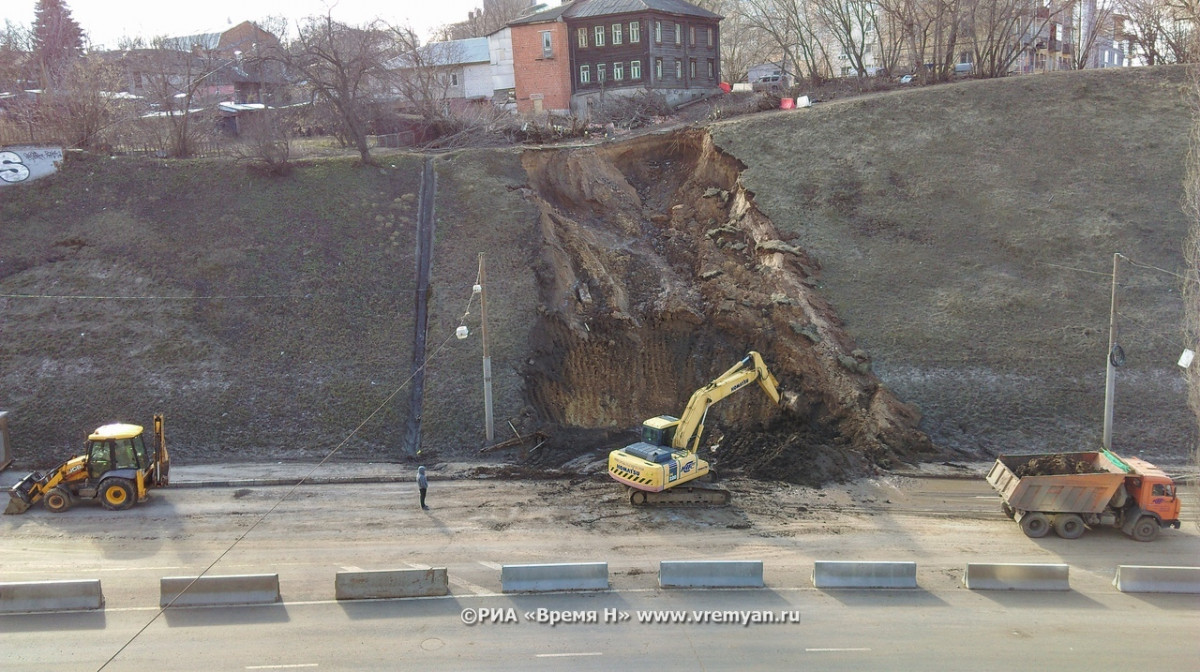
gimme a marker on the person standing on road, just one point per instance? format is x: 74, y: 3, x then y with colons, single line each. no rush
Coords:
x: 423, y: 484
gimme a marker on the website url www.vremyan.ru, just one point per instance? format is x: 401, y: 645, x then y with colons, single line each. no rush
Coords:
x: 743, y: 618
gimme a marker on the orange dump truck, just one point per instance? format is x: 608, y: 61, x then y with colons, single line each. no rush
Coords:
x: 1069, y: 492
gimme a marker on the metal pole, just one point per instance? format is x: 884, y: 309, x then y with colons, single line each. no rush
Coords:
x: 1110, y: 372
x: 487, y: 359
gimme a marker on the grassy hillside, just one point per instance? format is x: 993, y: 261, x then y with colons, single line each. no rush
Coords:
x: 966, y: 235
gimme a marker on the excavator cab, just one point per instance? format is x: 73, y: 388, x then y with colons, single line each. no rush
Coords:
x: 660, y: 431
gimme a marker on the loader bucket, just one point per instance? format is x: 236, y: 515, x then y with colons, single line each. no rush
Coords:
x: 16, y: 505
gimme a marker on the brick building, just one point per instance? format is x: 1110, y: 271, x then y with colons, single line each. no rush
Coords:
x: 569, y: 57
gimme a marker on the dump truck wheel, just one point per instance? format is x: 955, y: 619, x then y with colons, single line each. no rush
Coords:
x: 1035, y: 525
x: 1069, y: 526
x: 57, y: 500
x: 1145, y: 529
x: 116, y: 494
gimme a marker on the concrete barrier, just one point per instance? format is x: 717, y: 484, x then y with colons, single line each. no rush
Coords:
x: 541, y: 578
x: 40, y: 596
x: 1147, y: 579
x: 841, y: 574
x: 210, y: 591
x: 1013, y: 576
x: 391, y: 583
x: 710, y: 574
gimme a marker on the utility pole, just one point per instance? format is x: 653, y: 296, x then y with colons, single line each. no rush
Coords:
x: 487, y: 359
x: 1115, y: 358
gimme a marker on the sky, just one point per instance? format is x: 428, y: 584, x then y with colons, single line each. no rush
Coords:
x: 106, y: 21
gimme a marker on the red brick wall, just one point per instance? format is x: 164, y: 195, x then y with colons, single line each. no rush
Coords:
x: 535, y: 75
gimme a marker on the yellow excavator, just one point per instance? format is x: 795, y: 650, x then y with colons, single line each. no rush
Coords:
x: 655, y: 468
x: 117, y: 468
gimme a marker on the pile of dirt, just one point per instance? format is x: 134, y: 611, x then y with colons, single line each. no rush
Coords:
x: 1058, y: 463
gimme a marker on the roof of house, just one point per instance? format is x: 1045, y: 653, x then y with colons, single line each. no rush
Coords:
x: 457, y: 52
x: 544, y: 16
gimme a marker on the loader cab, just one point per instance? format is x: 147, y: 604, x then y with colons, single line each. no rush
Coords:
x: 117, y: 446
x: 660, y: 431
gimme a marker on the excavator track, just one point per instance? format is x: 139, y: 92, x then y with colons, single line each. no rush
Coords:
x: 692, y: 494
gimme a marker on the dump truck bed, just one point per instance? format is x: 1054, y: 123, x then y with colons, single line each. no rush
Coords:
x: 1057, y: 492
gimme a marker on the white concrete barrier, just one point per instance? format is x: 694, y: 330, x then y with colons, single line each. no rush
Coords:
x: 710, y: 574
x: 541, y: 578
x: 391, y: 583
x: 844, y: 574
x: 40, y: 596
x: 1015, y: 576
x: 1150, y: 579
x: 207, y: 591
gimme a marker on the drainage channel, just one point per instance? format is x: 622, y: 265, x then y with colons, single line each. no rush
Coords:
x: 412, y: 433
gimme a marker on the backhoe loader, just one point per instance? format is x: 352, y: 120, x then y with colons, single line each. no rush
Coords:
x: 666, y: 457
x: 117, y: 467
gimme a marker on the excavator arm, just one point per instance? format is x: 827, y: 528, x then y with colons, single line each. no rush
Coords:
x: 691, y: 423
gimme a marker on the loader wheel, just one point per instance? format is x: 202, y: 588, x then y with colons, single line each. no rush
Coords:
x: 57, y: 500
x: 1069, y: 526
x: 116, y: 494
x: 1035, y: 525
x: 1145, y: 529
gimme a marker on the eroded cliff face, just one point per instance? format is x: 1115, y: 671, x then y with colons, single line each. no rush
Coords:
x: 656, y: 274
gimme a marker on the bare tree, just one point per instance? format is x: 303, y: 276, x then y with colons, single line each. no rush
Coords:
x: 422, y: 75
x: 854, y: 24
x: 1161, y: 30
x: 1092, y: 25
x: 1003, y: 30
x: 16, y: 43
x: 794, y: 33
x: 177, y: 77
x: 1191, y: 281
x: 344, y: 66
x: 85, y: 103
x: 743, y: 46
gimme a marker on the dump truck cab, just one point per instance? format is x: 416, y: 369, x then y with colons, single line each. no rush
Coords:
x: 1152, y: 491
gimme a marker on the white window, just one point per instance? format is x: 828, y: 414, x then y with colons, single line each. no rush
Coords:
x: 678, y: 34
x: 678, y: 68
x: 585, y: 74
x: 692, y: 68
x: 658, y: 69
x: 618, y: 71
x: 710, y: 42
x: 601, y: 73
x: 635, y: 69
x: 618, y: 35
x: 454, y: 79
x: 635, y: 31
x: 692, y: 35
x: 581, y: 36
x: 658, y: 32
x: 547, y: 44
x: 599, y: 42
x: 710, y: 68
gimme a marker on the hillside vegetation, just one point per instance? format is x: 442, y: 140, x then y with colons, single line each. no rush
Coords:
x: 962, y: 235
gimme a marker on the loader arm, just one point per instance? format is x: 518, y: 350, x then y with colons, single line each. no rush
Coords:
x: 691, y: 423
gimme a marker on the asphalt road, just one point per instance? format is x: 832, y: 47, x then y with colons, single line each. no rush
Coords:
x: 309, y: 533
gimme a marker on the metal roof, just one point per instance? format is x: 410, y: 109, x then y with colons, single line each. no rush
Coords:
x: 458, y: 52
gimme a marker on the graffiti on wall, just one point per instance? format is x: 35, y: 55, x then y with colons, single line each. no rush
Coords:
x: 26, y: 164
